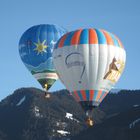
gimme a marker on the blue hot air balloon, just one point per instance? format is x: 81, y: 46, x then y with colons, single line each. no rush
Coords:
x: 35, y: 48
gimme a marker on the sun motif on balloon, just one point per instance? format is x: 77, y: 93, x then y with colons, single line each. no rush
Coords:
x: 40, y: 47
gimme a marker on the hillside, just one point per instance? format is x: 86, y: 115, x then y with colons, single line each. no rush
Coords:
x: 28, y: 115
x: 122, y: 126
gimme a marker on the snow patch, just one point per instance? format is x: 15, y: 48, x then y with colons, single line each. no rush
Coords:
x: 63, y: 133
x: 132, y: 125
x: 70, y: 116
x: 136, y: 105
x: 37, y: 112
x: 115, y: 91
x: 21, y: 101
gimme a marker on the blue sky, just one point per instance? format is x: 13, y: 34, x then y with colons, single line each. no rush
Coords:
x: 121, y: 17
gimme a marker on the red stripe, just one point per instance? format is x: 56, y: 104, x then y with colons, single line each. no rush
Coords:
x: 103, y: 96
x: 76, y: 37
x: 61, y: 43
x: 76, y: 96
x: 108, y: 38
x: 120, y: 43
x: 93, y: 39
x: 91, y: 93
x: 83, y: 93
x: 99, y: 95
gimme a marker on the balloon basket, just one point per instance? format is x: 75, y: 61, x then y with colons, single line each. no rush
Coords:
x: 89, y: 122
x: 47, y: 95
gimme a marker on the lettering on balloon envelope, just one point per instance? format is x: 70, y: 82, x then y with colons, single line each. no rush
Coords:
x: 71, y: 62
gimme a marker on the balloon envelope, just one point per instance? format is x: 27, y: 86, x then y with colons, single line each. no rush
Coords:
x: 89, y: 63
x: 35, y: 48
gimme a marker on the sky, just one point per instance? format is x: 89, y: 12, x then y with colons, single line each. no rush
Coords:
x: 121, y: 17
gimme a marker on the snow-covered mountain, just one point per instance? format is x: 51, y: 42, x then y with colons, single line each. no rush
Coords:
x: 115, y: 90
x: 28, y: 115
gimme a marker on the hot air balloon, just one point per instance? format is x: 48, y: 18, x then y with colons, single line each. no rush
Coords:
x: 35, y: 48
x: 89, y: 63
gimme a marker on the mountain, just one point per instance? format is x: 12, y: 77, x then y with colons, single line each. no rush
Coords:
x: 121, y: 118
x: 114, y: 90
x: 122, y: 101
x: 28, y: 115
x: 122, y: 126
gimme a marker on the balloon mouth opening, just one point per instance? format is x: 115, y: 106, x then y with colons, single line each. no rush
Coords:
x: 46, y: 83
x: 89, y: 105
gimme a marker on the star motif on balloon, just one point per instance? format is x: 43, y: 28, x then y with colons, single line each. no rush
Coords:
x: 40, y: 47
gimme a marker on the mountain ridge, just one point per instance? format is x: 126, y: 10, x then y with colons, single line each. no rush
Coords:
x: 27, y: 114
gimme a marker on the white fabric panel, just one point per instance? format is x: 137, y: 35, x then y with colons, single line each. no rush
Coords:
x: 102, y: 62
x: 60, y: 68
x: 70, y: 63
x: 93, y: 64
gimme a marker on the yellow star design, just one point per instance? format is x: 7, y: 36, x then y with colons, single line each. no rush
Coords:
x: 40, y: 47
